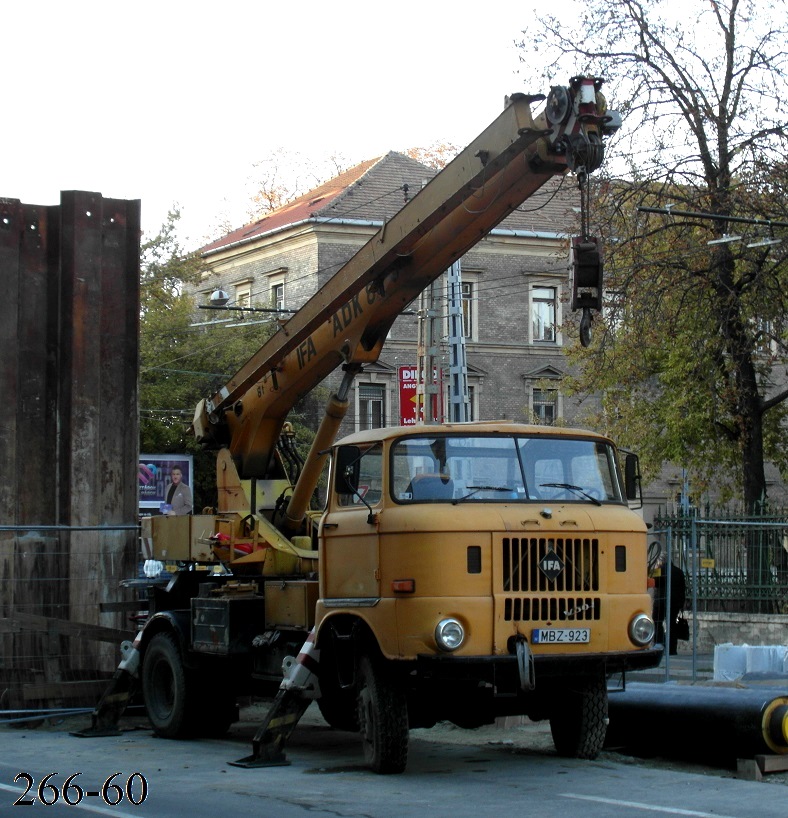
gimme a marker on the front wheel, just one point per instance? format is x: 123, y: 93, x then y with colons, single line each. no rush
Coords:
x: 578, y: 721
x: 382, y: 717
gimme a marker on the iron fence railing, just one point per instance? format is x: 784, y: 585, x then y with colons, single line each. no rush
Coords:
x: 732, y: 562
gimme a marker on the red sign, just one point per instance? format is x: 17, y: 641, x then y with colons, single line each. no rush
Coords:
x: 410, y: 410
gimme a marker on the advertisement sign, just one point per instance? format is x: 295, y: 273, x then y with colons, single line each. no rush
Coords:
x: 410, y: 411
x: 408, y: 399
x: 154, y: 477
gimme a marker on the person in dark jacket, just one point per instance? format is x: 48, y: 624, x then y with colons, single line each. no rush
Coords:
x: 678, y: 593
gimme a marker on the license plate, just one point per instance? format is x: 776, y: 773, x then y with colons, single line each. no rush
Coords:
x: 560, y: 636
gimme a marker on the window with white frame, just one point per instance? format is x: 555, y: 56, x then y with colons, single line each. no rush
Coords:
x: 371, y: 409
x: 544, y: 314
x: 468, y: 309
x: 544, y: 405
x: 276, y: 291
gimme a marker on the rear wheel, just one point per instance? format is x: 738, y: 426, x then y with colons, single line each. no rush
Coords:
x: 578, y: 721
x: 164, y: 688
x: 382, y: 717
x: 219, y: 712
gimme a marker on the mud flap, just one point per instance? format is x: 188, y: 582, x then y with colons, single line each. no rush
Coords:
x: 525, y: 665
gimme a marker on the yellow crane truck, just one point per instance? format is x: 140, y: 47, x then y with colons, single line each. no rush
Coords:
x: 458, y: 572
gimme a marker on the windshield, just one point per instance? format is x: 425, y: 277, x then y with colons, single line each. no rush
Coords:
x: 498, y: 468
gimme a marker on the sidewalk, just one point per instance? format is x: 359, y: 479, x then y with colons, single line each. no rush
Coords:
x: 679, y: 668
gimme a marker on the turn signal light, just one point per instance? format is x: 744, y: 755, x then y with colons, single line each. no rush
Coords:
x: 403, y: 586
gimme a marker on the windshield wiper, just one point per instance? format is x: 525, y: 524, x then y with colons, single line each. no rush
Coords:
x: 570, y: 487
x: 476, y: 489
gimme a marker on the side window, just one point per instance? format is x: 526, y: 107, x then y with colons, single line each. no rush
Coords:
x: 359, y: 476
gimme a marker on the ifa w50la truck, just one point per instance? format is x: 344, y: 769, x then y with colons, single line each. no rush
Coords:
x: 458, y: 572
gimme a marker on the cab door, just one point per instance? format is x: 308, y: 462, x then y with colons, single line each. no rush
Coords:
x: 350, y: 558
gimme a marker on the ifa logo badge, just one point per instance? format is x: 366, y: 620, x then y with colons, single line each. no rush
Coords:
x: 551, y: 565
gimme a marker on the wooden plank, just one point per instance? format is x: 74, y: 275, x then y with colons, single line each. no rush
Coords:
x: 65, y: 627
x: 87, y: 689
x: 125, y: 606
x: 772, y: 763
x: 748, y: 769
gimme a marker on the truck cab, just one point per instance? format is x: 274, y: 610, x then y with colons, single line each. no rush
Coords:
x: 490, y: 568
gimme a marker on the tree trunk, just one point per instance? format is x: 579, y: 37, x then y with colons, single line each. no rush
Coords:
x: 746, y: 407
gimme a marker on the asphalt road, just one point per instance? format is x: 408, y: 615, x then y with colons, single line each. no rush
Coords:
x: 450, y: 772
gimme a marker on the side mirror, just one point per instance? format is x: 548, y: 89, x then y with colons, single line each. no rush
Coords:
x: 632, y: 481
x: 347, y: 470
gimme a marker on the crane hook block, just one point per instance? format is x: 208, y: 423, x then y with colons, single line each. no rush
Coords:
x: 587, y: 280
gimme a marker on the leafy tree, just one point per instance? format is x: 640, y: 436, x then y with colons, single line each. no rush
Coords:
x: 180, y: 363
x: 691, y: 357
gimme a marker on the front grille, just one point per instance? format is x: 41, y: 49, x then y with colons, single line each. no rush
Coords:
x: 550, y: 564
x: 551, y: 609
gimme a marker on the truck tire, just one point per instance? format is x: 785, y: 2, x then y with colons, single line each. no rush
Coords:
x: 338, y: 708
x: 164, y: 688
x: 578, y: 721
x: 218, y: 715
x: 337, y: 703
x: 382, y: 717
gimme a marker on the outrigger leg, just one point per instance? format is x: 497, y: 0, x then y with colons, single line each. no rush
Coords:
x: 116, y: 697
x: 297, y: 691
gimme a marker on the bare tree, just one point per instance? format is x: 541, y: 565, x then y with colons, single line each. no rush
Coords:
x: 435, y: 156
x: 692, y: 357
x: 285, y: 175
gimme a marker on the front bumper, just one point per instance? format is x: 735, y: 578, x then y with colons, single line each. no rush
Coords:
x: 502, y: 671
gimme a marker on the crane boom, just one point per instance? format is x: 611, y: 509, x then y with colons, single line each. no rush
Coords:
x: 347, y: 319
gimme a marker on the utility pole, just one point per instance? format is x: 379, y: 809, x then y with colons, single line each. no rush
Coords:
x: 428, y: 351
x: 459, y: 399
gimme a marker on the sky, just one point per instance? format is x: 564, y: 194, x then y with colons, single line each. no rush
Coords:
x: 173, y: 102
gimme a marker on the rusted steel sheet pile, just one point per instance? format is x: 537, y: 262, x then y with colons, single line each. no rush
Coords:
x: 69, y: 317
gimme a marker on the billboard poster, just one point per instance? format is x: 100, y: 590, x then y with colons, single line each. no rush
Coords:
x: 408, y: 399
x: 410, y: 412
x: 154, y: 478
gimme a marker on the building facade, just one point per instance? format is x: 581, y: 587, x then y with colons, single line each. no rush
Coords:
x: 513, y: 295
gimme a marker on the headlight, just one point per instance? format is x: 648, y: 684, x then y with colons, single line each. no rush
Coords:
x: 449, y: 634
x: 641, y: 629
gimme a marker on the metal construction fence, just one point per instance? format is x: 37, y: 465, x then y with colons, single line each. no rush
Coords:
x: 60, y: 631
x: 733, y: 563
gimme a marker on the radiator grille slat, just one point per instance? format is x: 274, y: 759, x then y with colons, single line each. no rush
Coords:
x: 522, y: 557
x: 551, y: 609
x: 563, y: 591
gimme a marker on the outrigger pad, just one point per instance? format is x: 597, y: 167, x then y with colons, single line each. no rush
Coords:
x: 276, y: 729
x: 110, y: 708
